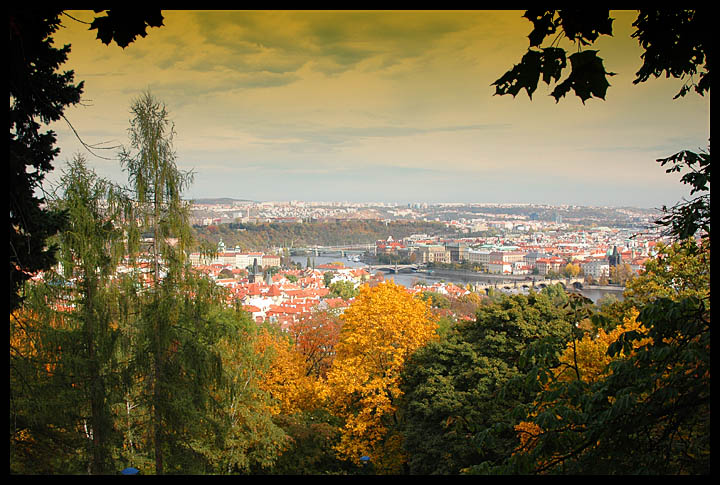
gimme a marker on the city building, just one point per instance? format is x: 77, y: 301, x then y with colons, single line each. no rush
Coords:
x: 433, y: 254
x: 458, y: 251
x: 595, y: 268
x: 547, y: 265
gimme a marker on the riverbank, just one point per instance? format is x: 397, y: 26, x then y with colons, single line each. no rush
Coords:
x: 460, y: 278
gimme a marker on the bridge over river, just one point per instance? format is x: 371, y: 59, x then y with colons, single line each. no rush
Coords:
x: 333, y: 250
x: 482, y: 282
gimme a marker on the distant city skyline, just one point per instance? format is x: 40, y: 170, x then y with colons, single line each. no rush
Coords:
x: 393, y: 106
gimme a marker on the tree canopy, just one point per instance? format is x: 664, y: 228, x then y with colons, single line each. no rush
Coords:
x: 39, y: 94
x: 457, y: 385
x: 381, y: 329
x: 676, y: 43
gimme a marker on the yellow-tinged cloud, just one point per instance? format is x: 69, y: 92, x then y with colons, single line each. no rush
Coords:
x: 366, y: 88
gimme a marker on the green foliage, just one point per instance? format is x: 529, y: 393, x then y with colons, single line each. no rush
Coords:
x: 458, y: 386
x: 649, y: 412
x: 556, y: 293
x: 650, y: 415
x: 273, y: 234
x: 245, y: 438
x: 78, y: 347
x: 34, y: 70
x: 680, y: 270
x: 311, y: 452
x: 343, y: 289
x: 435, y: 299
x: 174, y: 342
x: 687, y: 218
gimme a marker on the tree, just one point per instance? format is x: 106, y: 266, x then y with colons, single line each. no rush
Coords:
x: 676, y: 43
x: 646, y: 412
x: 631, y: 396
x: 124, y: 25
x: 44, y: 410
x: 248, y: 439
x: 75, y: 312
x: 313, y: 436
x: 286, y: 379
x: 174, y: 347
x: 689, y: 217
x: 90, y: 250
x: 571, y: 270
x: 381, y: 329
x: 679, y: 270
x: 343, y: 289
x: 435, y: 299
x: 459, y: 387
x: 315, y: 336
x: 39, y: 95
x: 621, y: 274
x: 225, y: 273
x: 291, y: 378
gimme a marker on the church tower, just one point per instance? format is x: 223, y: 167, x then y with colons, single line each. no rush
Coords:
x: 254, y: 275
x: 615, y: 258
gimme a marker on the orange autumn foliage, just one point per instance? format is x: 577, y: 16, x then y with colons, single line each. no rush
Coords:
x: 315, y: 335
x: 25, y: 340
x: 285, y: 379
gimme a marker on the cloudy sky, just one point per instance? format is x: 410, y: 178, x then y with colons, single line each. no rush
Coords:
x: 379, y: 106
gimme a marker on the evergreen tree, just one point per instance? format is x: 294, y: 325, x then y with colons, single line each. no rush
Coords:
x: 71, y: 319
x: 174, y: 347
x: 40, y: 94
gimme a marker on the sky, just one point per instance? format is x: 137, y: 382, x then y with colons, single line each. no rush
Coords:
x: 386, y: 106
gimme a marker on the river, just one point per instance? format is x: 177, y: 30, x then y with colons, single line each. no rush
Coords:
x: 410, y: 279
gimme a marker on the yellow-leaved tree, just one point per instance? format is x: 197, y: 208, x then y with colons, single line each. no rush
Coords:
x: 586, y: 359
x: 286, y: 379
x: 381, y: 329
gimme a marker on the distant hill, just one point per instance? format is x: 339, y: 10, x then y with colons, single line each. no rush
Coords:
x: 222, y: 200
x: 264, y: 235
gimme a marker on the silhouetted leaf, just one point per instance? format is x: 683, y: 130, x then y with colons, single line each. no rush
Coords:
x: 585, y: 25
x: 553, y: 62
x: 676, y: 43
x: 522, y: 76
x: 124, y: 25
x: 544, y: 25
x: 587, y: 77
